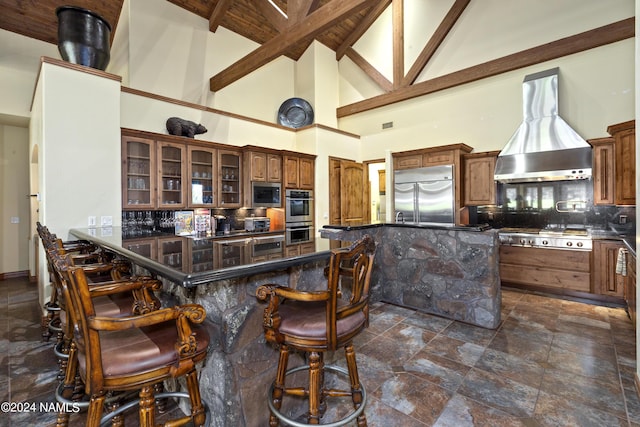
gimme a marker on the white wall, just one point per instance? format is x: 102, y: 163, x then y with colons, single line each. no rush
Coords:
x: 14, y: 190
x: 593, y: 94
x: 76, y: 126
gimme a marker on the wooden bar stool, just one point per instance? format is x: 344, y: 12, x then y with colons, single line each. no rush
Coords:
x: 315, y: 322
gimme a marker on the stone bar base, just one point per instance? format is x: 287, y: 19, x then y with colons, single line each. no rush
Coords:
x: 240, y: 366
x: 452, y: 273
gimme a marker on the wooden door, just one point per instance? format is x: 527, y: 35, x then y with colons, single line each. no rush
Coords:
x: 626, y: 167
x: 479, y: 185
x: 274, y: 168
x: 352, y: 209
x: 258, y: 166
x: 202, y: 175
x: 605, y: 279
x: 138, y: 173
x: 603, y: 171
x: 306, y: 173
x: 171, y: 175
x: 291, y: 166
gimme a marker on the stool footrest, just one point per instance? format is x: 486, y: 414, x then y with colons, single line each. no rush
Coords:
x: 343, y: 421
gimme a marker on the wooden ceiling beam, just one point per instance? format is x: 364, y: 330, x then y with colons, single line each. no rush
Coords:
x: 397, y: 20
x: 274, y: 17
x: 435, y: 41
x: 300, y: 9
x: 362, y: 28
x: 218, y: 13
x: 597, y: 37
x: 369, y: 70
x: 317, y: 22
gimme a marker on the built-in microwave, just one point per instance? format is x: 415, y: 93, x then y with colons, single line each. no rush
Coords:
x: 266, y: 194
x: 299, y: 232
x: 299, y: 206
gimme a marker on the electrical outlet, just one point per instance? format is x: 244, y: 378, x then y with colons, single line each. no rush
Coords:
x: 106, y: 221
x: 91, y: 221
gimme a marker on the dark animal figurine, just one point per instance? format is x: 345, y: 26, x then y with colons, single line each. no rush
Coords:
x: 182, y: 127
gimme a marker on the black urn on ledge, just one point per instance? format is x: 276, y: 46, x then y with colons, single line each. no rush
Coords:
x: 83, y: 37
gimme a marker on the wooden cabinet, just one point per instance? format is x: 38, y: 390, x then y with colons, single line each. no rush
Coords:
x: 299, y: 171
x: 138, y: 173
x: 202, y: 172
x: 479, y: 185
x: 546, y: 268
x: 408, y: 161
x: 300, y: 249
x: 171, y: 175
x: 630, y: 287
x: 624, y: 135
x: 605, y: 279
x: 263, y: 167
x: 603, y: 171
x: 229, y: 184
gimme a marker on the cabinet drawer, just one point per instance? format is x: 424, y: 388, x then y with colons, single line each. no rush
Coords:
x: 548, y: 258
x: 529, y: 275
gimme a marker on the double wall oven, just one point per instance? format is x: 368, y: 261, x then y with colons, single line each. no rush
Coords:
x: 299, y: 216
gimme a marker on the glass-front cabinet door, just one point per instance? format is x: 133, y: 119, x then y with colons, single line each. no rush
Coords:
x: 138, y: 170
x: 172, y: 252
x: 229, y: 179
x: 171, y: 175
x: 202, y: 173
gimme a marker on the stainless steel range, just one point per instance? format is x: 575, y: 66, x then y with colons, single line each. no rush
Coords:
x: 553, y: 238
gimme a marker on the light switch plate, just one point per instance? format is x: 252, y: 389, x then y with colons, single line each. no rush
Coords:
x: 91, y: 222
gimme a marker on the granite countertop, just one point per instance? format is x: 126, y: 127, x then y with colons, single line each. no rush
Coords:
x: 476, y: 227
x: 192, y: 260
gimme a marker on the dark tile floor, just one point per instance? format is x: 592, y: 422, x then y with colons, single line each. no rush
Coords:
x: 552, y: 362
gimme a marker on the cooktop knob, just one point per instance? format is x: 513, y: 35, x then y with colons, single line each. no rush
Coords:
x: 569, y: 244
x: 545, y: 242
x: 579, y: 244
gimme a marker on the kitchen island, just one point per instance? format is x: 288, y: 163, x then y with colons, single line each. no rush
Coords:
x: 449, y: 271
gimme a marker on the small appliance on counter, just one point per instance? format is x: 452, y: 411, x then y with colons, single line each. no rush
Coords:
x: 257, y: 224
x: 222, y: 225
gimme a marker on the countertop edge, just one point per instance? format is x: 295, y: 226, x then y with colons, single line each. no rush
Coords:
x: 189, y: 280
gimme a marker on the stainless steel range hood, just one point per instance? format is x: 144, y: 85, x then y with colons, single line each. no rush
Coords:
x: 544, y: 147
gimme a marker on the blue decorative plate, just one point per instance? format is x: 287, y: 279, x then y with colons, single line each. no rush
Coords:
x: 295, y: 113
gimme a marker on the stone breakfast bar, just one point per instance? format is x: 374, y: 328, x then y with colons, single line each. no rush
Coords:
x: 448, y: 271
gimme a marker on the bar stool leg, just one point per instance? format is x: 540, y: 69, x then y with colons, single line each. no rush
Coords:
x: 278, y: 389
x: 315, y: 373
x: 356, y: 389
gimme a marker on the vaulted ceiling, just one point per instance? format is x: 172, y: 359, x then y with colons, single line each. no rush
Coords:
x: 288, y: 27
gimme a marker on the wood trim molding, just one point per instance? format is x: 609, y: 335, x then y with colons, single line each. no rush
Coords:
x: 397, y: 17
x: 81, y: 68
x: 232, y: 115
x: 597, y: 37
x: 14, y: 275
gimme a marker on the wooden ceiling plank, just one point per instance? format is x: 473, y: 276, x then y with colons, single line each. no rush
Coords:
x: 274, y: 17
x: 362, y: 28
x: 314, y: 24
x: 597, y: 37
x: 369, y: 70
x: 435, y: 41
x: 397, y: 19
x: 218, y: 13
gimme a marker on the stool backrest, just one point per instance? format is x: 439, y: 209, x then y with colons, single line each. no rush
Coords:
x: 349, y: 279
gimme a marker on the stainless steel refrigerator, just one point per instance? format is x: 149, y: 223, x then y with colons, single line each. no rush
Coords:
x: 424, y: 195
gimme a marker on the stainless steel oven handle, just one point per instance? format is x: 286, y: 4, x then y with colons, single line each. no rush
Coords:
x: 297, y: 198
